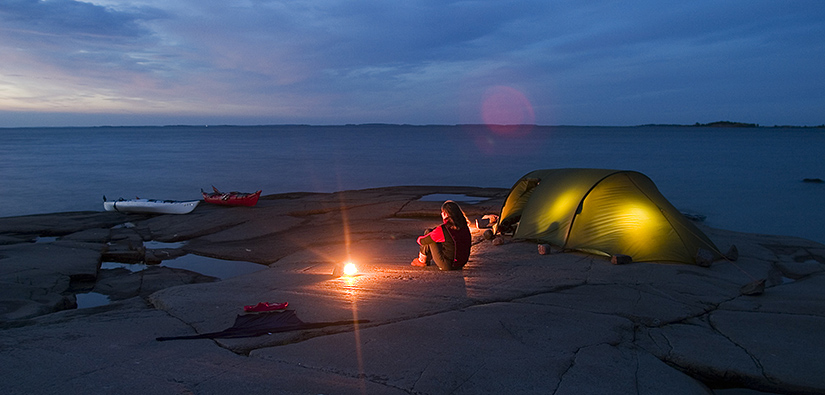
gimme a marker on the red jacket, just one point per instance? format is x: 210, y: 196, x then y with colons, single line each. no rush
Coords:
x: 455, y: 243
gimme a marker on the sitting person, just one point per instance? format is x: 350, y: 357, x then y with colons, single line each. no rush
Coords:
x: 448, y: 245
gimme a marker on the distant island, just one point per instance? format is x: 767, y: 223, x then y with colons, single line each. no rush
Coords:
x: 727, y: 124
x: 717, y: 124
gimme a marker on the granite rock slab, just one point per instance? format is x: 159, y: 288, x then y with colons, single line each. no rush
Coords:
x: 512, y: 321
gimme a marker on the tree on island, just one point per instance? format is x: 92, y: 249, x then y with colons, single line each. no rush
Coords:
x: 727, y: 124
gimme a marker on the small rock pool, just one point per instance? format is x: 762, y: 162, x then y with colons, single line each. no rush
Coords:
x: 213, y: 267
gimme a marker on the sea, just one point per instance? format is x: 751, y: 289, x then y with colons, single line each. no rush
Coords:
x: 748, y: 179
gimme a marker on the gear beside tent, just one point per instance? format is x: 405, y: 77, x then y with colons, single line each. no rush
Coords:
x: 605, y: 212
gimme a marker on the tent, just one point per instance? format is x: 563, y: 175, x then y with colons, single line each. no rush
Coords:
x: 605, y: 212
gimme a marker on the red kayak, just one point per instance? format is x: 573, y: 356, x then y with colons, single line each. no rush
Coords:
x: 231, y: 198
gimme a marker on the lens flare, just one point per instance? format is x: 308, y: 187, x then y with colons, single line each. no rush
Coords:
x: 507, y: 111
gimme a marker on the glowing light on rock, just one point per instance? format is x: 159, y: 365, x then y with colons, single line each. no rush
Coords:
x: 350, y: 269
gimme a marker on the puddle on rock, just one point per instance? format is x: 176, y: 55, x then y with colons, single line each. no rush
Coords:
x: 157, y: 245
x: 132, y: 267
x: 45, y: 239
x: 219, y: 268
x: 214, y: 267
x: 91, y: 299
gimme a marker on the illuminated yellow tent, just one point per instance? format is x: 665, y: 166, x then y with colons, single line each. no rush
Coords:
x: 601, y: 211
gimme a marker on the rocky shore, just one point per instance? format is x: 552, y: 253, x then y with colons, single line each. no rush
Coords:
x: 513, y: 321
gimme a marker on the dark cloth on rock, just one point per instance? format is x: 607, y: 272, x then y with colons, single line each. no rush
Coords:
x: 250, y: 325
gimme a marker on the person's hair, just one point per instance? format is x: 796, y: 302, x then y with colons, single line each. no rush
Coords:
x: 455, y: 216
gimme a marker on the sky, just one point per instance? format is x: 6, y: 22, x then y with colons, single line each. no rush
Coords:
x: 326, y: 62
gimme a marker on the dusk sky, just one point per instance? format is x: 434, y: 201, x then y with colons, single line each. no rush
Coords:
x: 322, y: 62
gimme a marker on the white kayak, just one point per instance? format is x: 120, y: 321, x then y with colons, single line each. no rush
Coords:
x: 152, y: 206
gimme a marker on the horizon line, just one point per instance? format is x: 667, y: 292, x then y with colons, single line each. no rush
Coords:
x: 724, y: 124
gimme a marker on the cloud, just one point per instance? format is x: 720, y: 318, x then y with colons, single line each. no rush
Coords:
x: 77, y: 38
x: 427, y: 61
x: 73, y: 20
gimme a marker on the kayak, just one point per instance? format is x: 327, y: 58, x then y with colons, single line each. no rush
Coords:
x: 150, y: 206
x: 231, y: 198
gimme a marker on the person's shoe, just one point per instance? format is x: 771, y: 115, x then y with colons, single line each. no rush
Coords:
x: 418, y: 263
